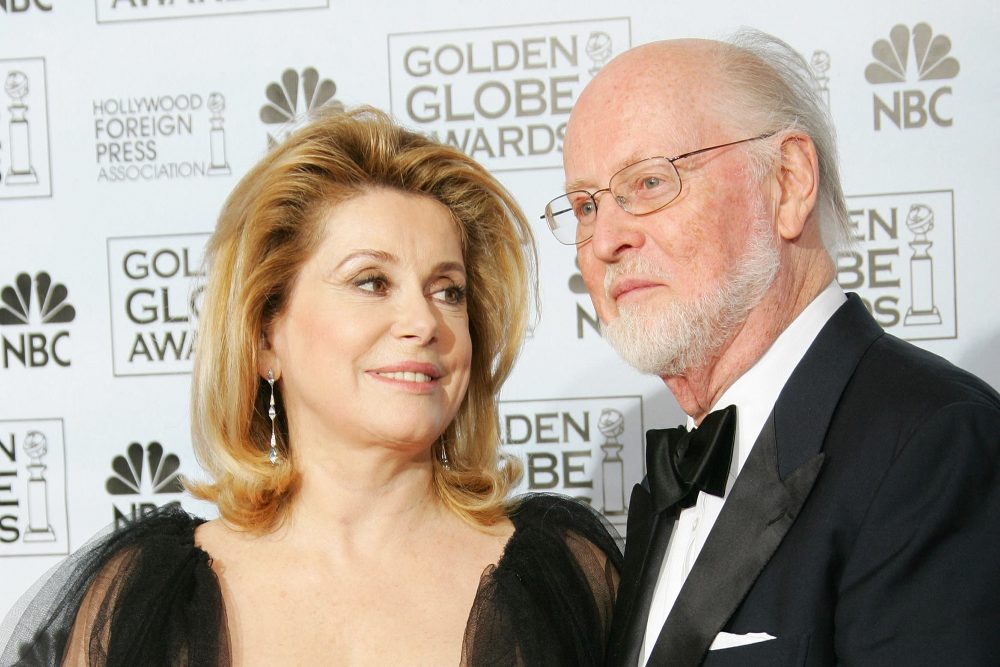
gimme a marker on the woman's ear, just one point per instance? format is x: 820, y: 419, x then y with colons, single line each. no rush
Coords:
x: 267, y: 359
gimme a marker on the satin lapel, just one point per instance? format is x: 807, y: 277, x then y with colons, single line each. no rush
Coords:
x: 771, y: 489
x: 805, y: 407
x: 760, y: 510
x: 631, y: 609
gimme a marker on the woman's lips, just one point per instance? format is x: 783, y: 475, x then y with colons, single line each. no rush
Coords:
x: 405, y: 376
x: 409, y: 374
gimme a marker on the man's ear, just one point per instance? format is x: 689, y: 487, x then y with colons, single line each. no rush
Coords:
x: 798, y: 181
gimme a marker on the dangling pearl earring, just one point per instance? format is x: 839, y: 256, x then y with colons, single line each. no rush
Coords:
x: 272, y: 455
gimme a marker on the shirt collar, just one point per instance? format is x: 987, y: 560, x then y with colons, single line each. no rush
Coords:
x: 756, y: 391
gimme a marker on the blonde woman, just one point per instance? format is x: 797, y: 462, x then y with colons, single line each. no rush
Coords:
x: 367, y: 295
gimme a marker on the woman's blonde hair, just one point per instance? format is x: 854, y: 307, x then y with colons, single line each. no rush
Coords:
x: 269, y: 226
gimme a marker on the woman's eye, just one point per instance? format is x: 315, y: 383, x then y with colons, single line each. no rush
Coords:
x: 375, y: 284
x: 452, y: 295
x: 651, y: 182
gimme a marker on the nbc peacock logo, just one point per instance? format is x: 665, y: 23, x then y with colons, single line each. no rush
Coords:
x: 144, y: 472
x: 292, y: 97
x: 39, y: 304
x: 913, y: 107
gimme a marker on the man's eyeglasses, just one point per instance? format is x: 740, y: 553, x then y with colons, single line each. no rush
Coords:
x: 643, y: 187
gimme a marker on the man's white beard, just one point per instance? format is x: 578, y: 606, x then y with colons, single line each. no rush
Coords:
x: 683, y: 335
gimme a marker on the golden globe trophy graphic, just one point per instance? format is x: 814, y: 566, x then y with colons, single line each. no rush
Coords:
x: 611, y: 424
x: 219, y: 166
x: 920, y: 221
x: 598, y: 50
x: 21, y: 172
x: 39, y: 530
x: 820, y: 65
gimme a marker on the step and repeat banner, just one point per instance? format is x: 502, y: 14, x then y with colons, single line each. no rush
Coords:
x: 124, y: 124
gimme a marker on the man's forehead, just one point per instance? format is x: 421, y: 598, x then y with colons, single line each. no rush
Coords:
x: 619, y: 122
x: 595, y: 157
x: 583, y: 182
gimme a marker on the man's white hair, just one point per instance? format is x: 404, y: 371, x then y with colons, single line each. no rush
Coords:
x: 768, y: 87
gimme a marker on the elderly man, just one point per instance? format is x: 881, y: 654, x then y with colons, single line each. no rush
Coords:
x: 840, y: 500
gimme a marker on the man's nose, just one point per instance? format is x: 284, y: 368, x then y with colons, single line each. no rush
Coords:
x: 615, y: 230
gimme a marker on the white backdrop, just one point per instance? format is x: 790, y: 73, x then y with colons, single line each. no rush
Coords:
x: 124, y: 123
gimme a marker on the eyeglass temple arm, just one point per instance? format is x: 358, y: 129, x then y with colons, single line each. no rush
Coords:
x: 712, y: 148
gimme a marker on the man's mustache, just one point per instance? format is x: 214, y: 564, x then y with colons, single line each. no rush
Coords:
x: 634, y: 266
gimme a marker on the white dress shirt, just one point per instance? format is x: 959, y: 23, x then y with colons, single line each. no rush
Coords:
x: 754, y: 394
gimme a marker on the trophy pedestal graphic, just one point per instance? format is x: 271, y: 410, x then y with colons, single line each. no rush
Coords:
x: 220, y: 165
x: 21, y: 171
x: 922, y: 311
x: 611, y: 424
x: 39, y: 529
x: 613, y: 473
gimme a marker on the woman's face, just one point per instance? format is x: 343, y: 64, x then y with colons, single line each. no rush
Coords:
x: 374, y: 344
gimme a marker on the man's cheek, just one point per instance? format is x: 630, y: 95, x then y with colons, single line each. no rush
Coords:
x: 590, y: 269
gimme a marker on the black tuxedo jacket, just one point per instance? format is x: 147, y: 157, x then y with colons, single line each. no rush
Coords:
x: 864, y: 528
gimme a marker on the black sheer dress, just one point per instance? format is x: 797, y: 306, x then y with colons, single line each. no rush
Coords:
x: 151, y: 597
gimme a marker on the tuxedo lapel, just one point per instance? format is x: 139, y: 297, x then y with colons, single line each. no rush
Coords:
x: 647, y: 532
x: 774, y: 483
x: 772, y: 487
x: 806, y: 404
x: 760, y: 510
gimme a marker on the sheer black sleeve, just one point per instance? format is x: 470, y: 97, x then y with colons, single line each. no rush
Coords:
x: 147, y: 596
x: 549, y: 599
x: 144, y: 595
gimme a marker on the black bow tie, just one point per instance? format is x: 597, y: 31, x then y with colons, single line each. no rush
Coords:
x: 680, y: 463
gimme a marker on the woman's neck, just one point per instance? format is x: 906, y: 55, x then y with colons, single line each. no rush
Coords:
x: 362, y: 499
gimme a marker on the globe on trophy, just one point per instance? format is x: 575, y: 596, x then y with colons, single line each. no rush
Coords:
x: 611, y: 424
x: 220, y: 165
x: 920, y: 221
x: 820, y: 65
x: 39, y: 530
x: 16, y: 85
x: 598, y: 50
x: 20, y: 172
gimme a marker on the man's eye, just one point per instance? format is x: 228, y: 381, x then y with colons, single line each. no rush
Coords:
x: 647, y: 183
x: 585, y: 208
x: 650, y: 185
